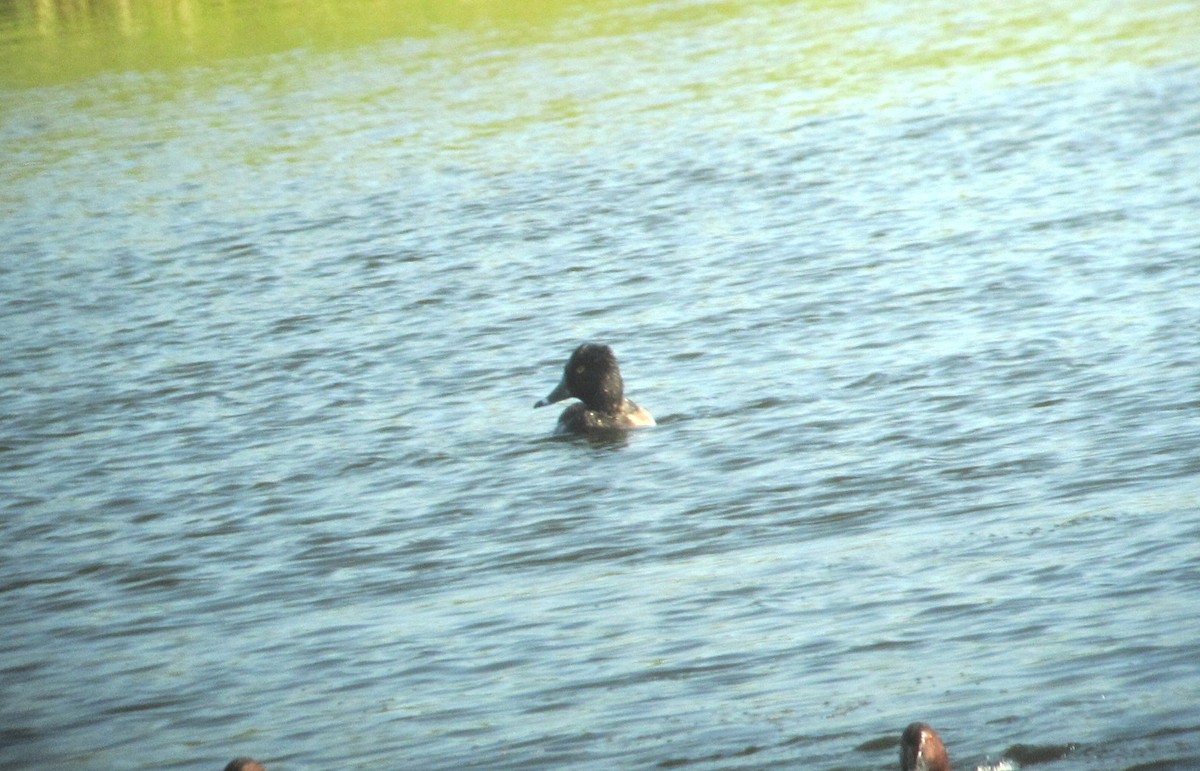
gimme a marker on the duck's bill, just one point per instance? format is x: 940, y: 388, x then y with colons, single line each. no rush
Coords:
x: 560, y: 392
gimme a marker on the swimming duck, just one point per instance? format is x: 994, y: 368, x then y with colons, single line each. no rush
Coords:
x: 921, y: 749
x: 593, y: 377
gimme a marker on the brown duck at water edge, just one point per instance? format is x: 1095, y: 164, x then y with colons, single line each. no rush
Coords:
x: 593, y: 377
x: 921, y: 749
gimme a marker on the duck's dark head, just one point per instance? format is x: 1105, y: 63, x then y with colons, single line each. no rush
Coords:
x: 591, y: 376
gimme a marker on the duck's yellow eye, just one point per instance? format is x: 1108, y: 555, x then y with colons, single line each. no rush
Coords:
x: 579, y: 370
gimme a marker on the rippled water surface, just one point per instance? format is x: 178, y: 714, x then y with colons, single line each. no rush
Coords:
x: 913, y: 291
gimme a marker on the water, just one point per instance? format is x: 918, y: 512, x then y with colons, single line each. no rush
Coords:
x: 914, y: 299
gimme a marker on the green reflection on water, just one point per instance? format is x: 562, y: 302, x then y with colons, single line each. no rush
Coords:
x: 51, y: 41
x: 845, y: 44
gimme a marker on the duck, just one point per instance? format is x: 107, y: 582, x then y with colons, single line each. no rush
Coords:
x: 593, y: 377
x: 921, y: 749
x: 244, y: 764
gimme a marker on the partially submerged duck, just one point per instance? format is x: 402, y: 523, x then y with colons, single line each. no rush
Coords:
x: 593, y: 377
x: 921, y: 749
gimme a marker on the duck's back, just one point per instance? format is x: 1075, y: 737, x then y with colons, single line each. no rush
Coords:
x: 578, y: 419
